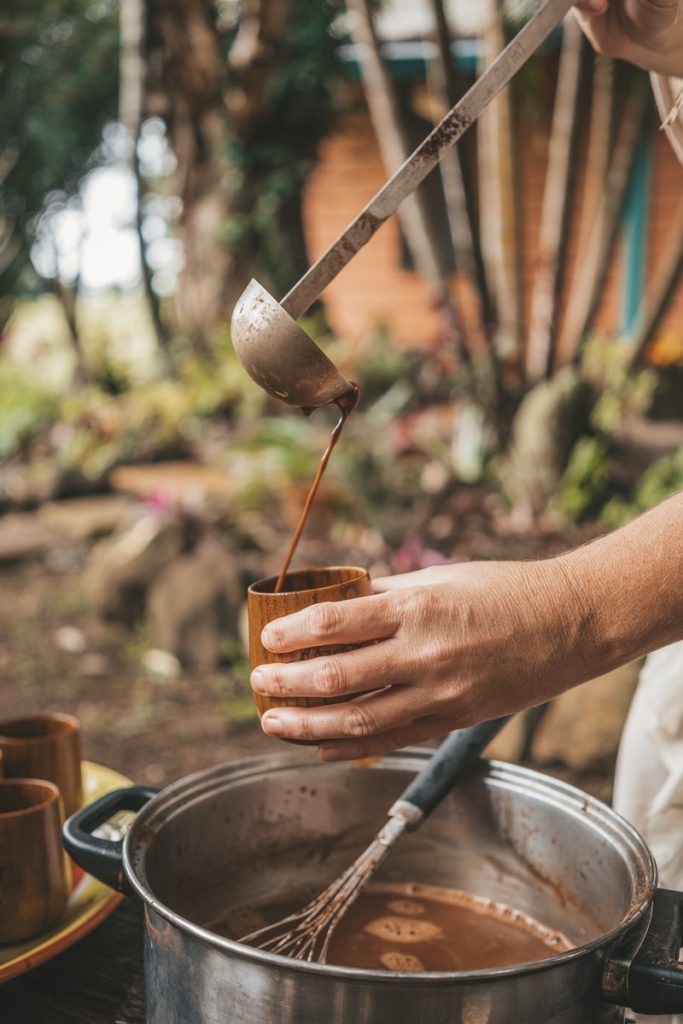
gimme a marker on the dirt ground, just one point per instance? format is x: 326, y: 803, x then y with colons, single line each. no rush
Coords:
x: 155, y: 727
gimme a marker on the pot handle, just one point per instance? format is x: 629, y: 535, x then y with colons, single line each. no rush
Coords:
x: 99, y: 857
x: 643, y: 970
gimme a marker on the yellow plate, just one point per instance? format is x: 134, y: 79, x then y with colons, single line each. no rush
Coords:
x: 90, y: 901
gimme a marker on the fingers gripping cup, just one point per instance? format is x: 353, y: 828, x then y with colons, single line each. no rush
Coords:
x: 301, y: 589
x: 33, y: 866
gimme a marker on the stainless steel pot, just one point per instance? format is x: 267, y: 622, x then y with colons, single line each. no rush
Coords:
x: 285, y: 825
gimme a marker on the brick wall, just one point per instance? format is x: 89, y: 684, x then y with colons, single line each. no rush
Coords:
x: 375, y: 291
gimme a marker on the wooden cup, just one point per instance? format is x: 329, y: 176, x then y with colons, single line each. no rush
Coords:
x: 45, y: 746
x: 33, y: 865
x: 303, y: 588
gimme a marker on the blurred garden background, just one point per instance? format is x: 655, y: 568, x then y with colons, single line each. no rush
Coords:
x: 517, y: 336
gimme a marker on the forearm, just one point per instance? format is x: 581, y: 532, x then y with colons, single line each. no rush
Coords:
x: 628, y: 588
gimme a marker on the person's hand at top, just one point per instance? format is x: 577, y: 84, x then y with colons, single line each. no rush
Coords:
x: 648, y: 33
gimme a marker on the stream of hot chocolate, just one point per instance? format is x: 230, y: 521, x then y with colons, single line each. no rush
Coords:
x: 346, y: 404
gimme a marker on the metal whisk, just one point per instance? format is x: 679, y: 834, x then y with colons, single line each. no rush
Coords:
x: 306, y: 935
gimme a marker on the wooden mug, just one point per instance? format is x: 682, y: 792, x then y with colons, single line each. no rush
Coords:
x: 301, y: 589
x: 45, y: 746
x: 33, y: 865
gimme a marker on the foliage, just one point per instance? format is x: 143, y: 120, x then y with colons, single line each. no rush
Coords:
x: 585, y: 482
x: 271, y: 164
x: 588, y: 480
x: 660, y: 481
x: 620, y: 391
x: 92, y: 429
x: 59, y: 83
x: 26, y: 409
x: 160, y: 416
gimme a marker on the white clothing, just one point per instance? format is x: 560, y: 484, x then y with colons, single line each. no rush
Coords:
x: 648, y: 787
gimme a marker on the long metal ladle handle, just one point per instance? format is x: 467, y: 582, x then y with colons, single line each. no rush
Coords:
x: 426, y: 156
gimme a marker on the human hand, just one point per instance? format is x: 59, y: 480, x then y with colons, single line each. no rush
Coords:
x: 648, y: 33
x: 453, y: 645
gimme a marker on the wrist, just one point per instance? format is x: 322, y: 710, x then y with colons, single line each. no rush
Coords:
x: 573, y: 621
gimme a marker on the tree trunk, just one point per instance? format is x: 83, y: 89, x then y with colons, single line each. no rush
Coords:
x: 186, y: 59
x: 460, y: 208
x: 132, y: 64
x: 556, y: 206
x: 595, y: 175
x: 388, y: 124
x: 595, y: 263
x: 499, y: 200
x: 442, y: 84
x: 67, y: 296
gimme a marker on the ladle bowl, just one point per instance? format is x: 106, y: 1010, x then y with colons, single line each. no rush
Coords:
x: 280, y: 356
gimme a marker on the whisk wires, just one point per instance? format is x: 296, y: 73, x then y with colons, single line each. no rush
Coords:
x: 306, y: 935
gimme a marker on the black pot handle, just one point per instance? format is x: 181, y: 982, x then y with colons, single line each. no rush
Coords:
x: 102, y: 858
x: 643, y: 971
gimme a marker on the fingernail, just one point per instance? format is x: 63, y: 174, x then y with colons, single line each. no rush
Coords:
x: 267, y: 637
x: 273, y: 724
x: 330, y: 754
x: 257, y: 680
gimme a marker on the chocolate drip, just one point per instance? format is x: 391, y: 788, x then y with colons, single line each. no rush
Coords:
x: 346, y: 404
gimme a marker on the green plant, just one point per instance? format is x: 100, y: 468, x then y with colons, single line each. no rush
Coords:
x: 26, y: 410
x: 660, y: 481
x: 620, y: 392
x: 59, y: 83
x: 585, y: 482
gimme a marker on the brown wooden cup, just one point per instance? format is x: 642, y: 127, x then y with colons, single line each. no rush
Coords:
x: 45, y: 746
x: 301, y: 589
x: 33, y: 865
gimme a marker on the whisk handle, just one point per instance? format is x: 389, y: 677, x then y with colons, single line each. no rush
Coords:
x: 447, y: 766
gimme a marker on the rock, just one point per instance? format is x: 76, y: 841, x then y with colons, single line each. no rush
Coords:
x: 186, y: 482
x: 71, y: 639
x: 582, y: 727
x: 85, y: 518
x: 161, y: 664
x: 550, y: 420
x: 193, y: 605
x: 23, y: 535
x: 120, y: 570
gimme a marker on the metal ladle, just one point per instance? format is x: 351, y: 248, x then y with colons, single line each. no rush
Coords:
x: 274, y: 350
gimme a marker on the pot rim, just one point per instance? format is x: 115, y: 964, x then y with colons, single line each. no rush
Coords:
x: 574, y: 800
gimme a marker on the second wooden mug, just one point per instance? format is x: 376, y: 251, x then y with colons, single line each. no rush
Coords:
x: 301, y: 589
x: 45, y: 745
x: 33, y: 865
